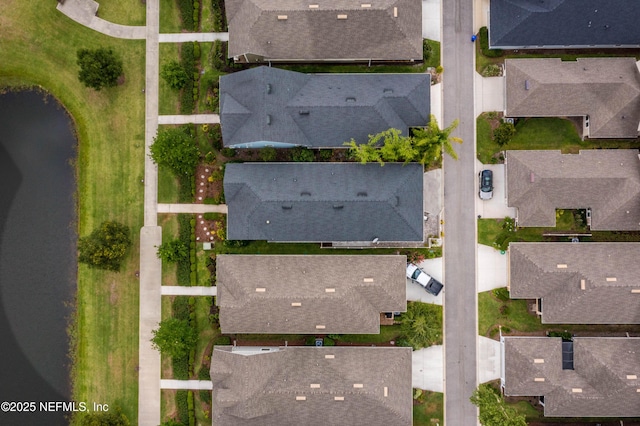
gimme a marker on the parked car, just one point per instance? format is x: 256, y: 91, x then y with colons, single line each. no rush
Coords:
x: 418, y: 276
x: 486, y: 185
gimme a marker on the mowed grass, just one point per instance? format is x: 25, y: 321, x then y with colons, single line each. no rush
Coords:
x: 543, y: 133
x: 430, y: 411
x: 130, y: 12
x: 38, y: 46
x: 169, y: 17
x: 168, y: 98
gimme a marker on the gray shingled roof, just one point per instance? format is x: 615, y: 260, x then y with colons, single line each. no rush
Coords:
x: 518, y: 24
x: 292, y: 30
x: 295, y: 299
x: 607, y: 90
x: 607, y: 181
x: 265, y: 104
x: 324, y: 202
x: 603, y: 383
x: 340, y: 386
x: 534, y: 273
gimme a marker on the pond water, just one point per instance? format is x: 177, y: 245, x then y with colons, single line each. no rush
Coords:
x: 37, y: 255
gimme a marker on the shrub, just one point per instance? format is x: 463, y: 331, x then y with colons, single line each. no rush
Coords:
x: 180, y: 367
x: 484, y: 45
x: 175, y: 149
x: 236, y: 243
x: 203, y: 373
x: 210, y: 157
x: 218, y: 61
x: 216, y: 137
x: 501, y: 294
x: 302, y: 154
x: 439, y: 69
x: 325, y: 154
x: 205, y: 395
x: 174, y: 74
x: 186, y: 13
x: 222, y: 341
x: 99, y: 68
x: 219, y: 18
x: 184, y: 267
x: 106, y: 247
x: 492, y: 70
x: 268, y: 153
x: 182, y: 406
x: 180, y: 307
x: 503, y: 134
x: 214, y: 216
x: 228, y: 152
x: 426, y: 50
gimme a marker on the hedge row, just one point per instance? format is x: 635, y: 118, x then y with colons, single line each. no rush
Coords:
x: 184, y: 266
x: 182, y: 406
x: 219, y: 16
x: 188, y: 59
x: 484, y: 45
x: 186, y: 12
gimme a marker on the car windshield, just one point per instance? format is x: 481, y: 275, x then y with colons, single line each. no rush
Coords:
x: 415, y: 275
x: 486, y: 182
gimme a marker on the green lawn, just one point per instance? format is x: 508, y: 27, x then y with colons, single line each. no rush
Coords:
x: 202, y: 272
x: 206, y: 18
x: 430, y: 410
x: 264, y: 247
x: 543, y: 133
x: 512, y: 314
x: 387, y: 334
x: 168, y: 188
x: 169, y: 17
x: 38, y: 46
x: 169, y: 224
x: 122, y: 12
x: 169, y: 99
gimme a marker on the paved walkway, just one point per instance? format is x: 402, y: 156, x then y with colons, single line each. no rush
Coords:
x: 84, y: 12
x: 178, y: 290
x: 192, y: 208
x: 150, y: 238
x: 186, y: 384
x: 184, y: 119
x: 201, y: 37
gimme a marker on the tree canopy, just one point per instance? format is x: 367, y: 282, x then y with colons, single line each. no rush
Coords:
x: 173, y: 251
x: 176, y: 149
x: 107, y: 418
x: 174, y: 74
x: 426, y: 145
x: 421, y: 325
x: 493, y: 410
x: 174, y: 338
x: 105, y: 247
x: 99, y: 68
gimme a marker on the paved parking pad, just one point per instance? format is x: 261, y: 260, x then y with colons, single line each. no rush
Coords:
x: 496, y: 207
x: 492, y: 268
x: 427, y: 368
x: 489, y: 359
x: 415, y: 292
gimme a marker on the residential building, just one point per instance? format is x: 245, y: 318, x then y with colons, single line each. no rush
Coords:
x: 578, y: 283
x: 564, y: 24
x: 585, y: 377
x: 267, y: 106
x: 603, y: 92
x: 308, y: 294
x: 324, y: 202
x: 604, y: 182
x: 331, y: 30
x: 313, y: 386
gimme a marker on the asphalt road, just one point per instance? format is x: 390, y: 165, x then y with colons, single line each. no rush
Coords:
x: 460, y: 304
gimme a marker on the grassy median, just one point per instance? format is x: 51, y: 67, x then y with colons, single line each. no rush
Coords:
x: 39, y: 47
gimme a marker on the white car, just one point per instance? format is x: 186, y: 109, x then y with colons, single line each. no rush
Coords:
x: 418, y: 276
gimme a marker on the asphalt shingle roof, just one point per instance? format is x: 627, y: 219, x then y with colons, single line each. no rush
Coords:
x: 295, y: 298
x: 603, y: 383
x: 313, y: 386
x: 607, y: 90
x: 534, y: 274
x: 337, y: 30
x: 267, y: 104
x: 518, y: 24
x: 607, y: 181
x: 324, y: 202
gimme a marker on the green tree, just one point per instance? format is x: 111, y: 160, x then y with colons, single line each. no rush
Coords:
x: 105, y: 247
x: 394, y: 146
x: 113, y: 417
x: 176, y: 149
x: 503, y: 134
x: 493, y: 410
x: 174, y: 338
x: 174, y: 74
x: 99, y: 68
x: 365, y: 153
x: 173, y: 251
x: 432, y: 141
x: 421, y: 325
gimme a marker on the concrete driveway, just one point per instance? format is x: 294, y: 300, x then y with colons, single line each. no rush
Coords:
x: 495, y: 208
x: 489, y: 93
x: 415, y: 292
x: 427, y: 368
x: 431, y: 20
x: 492, y: 268
x: 489, y: 359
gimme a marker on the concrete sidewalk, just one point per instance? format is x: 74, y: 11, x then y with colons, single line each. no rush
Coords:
x: 84, y: 12
x: 192, y: 208
x: 186, y: 384
x: 184, y: 119
x: 200, y: 37
x: 178, y: 290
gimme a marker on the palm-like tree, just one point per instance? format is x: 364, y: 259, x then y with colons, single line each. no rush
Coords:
x: 432, y: 141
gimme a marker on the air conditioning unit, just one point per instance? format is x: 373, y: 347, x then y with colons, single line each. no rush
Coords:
x: 508, y: 120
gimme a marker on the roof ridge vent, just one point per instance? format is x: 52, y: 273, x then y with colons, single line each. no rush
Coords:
x: 350, y: 99
x: 387, y: 90
x: 287, y: 206
x: 268, y: 119
x: 338, y: 206
x: 305, y: 193
x: 304, y: 112
x: 362, y: 194
x: 268, y: 88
